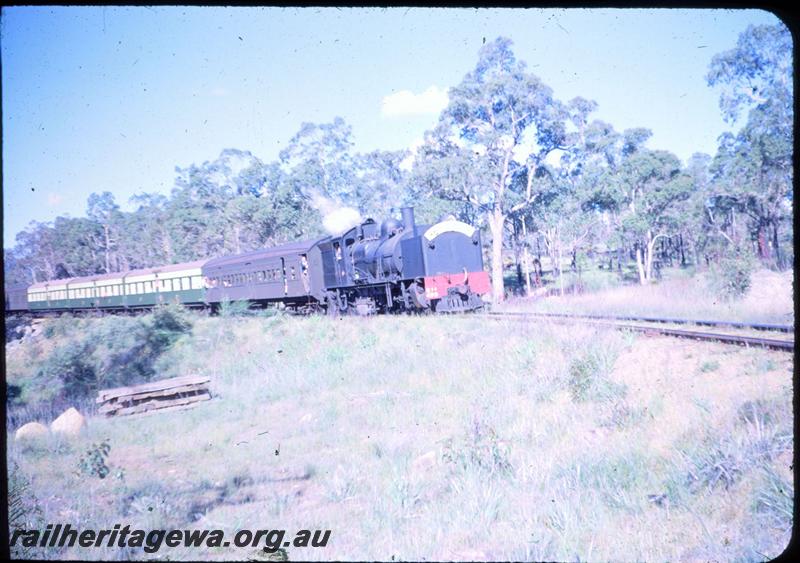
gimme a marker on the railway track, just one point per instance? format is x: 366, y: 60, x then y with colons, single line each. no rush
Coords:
x: 657, y: 325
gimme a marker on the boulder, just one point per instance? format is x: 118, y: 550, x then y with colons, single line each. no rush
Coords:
x: 31, y: 431
x: 69, y: 423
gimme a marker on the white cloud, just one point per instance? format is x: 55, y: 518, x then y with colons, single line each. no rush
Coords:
x: 219, y: 92
x: 54, y: 200
x: 405, y: 102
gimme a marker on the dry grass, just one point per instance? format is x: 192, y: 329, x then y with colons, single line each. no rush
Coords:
x: 419, y: 438
x: 770, y: 300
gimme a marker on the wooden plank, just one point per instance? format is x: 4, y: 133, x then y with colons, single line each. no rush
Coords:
x: 106, y: 394
x: 123, y: 402
x: 153, y: 385
x: 161, y: 393
x: 160, y: 404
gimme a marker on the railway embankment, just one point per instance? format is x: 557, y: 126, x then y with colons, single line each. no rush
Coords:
x: 421, y: 437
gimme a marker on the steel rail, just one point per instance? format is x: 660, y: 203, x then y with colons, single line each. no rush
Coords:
x: 742, y: 340
x: 663, y: 320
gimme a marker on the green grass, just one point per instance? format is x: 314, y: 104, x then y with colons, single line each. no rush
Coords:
x: 417, y: 438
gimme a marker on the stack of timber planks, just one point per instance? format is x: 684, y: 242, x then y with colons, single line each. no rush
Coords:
x: 165, y: 394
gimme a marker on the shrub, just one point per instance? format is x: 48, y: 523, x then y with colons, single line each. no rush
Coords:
x: 228, y: 308
x: 92, y: 354
x: 15, y: 327
x: 93, y: 461
x: 731, y: 276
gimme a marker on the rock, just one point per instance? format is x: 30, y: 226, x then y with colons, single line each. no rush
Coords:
x: 31, y: 431
x: 69, y: 423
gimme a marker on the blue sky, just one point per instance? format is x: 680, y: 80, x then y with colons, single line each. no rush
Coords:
x: 113, y: 99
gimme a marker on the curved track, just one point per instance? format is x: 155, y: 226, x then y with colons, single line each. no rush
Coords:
x: 655, y: 325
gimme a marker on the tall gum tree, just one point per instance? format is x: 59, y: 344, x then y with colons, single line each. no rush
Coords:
x: 653, y: 185
x: 497, y: 112
x: 753, y: 168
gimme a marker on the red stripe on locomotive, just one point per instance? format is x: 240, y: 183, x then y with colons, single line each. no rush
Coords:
x: 436, y: 286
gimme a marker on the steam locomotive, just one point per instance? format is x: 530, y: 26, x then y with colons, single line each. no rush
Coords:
x: 371, y: 268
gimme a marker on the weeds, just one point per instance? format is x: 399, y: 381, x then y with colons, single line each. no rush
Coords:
x: 93, y: 462
x: 774, y: 499
x: 721, y: 461
x: 24, y: 510
x: 621, y: 415
x: 709, y: 366
x: 588, y: 379
x: 480, y: 450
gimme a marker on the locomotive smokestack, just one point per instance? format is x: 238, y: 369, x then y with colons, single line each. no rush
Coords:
x: 408, y: 220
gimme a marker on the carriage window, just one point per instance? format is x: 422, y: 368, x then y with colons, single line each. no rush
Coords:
x: 293, y: 276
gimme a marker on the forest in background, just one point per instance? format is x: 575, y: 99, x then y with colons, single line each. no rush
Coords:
x: 540, y: 176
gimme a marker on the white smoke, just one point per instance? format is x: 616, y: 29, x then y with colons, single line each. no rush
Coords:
x: 336, y: 218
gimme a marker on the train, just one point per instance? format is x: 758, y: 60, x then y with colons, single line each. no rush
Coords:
x: 371, y: 268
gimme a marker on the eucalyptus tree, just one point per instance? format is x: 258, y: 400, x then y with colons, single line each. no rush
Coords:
x: 149, y: 231
x: 651, y: 186
x: 498, y: 112
x: 319, y: 162
x: 102, y: 209
x: 753, y: 168
x: 381, y: 183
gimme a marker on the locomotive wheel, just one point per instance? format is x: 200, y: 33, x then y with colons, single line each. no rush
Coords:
x: 332, y: 305
x: 418, y: 296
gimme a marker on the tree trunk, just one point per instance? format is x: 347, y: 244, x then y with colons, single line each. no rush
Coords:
x: 763, y: 247
x: 560, y: 272
x: 639, y: 265
x: 680, y: 245
x: 778, y: 256
x: 107, y: 248
x: 526, y: 261
x: 496, y: 221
